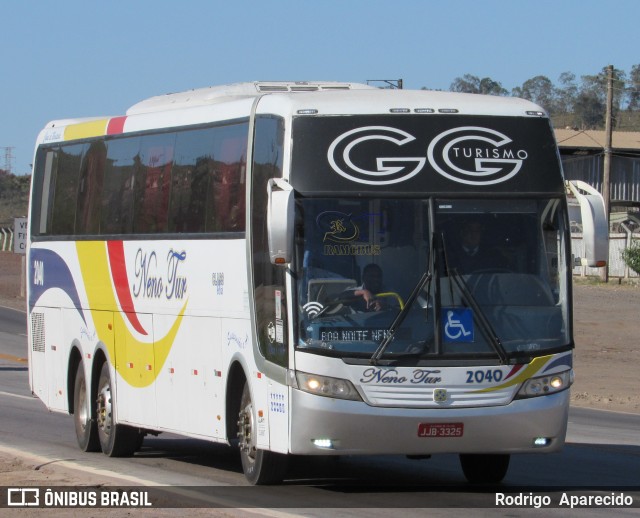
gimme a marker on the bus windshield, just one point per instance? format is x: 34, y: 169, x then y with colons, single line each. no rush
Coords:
x: 491, y: 275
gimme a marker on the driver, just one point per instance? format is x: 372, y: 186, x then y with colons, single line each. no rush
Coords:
x: 371, y: 285
x: 470, y: 254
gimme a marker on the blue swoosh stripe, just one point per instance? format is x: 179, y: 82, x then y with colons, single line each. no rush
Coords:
x: 54, y: 273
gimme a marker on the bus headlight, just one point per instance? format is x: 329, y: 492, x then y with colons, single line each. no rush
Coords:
x: 326, y: 386
x: 543, y: 385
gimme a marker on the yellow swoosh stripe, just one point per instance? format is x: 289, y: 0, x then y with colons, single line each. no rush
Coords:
x: 527, y: 373
x: 138, y: 362
x: 95, y: 128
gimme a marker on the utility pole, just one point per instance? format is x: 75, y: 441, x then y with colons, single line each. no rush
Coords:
x: 606, y: 173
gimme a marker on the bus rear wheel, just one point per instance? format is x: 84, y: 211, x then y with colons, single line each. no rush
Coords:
x: 86, y: 428
x: 116, y: 440
x: 484, y: 468
x: 260, y: 467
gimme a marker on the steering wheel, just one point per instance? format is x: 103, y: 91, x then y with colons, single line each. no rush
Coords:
x: 492, y: 270
x: 391, y: 294
x: 335, y: 305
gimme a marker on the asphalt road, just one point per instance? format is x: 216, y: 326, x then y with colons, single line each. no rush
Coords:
x: 602, y: 456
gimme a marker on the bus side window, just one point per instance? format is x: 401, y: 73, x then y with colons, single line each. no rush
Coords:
x: 66, y: 188
x: 41, y: 202
x: 226, y: 213
x: 152, y: 182
x: 117, y: 194
x: 90, y: 189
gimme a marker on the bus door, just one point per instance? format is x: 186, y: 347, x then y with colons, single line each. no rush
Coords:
x: 269, y: 287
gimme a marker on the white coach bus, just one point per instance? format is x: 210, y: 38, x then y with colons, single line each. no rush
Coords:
x: 283, y: 267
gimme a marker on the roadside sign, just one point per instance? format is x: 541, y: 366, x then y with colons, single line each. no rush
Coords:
x: 20, y: 236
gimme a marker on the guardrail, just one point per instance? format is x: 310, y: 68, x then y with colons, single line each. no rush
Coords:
x: 6, y: 239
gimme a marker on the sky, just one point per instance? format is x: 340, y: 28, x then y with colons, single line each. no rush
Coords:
x: 80, y: 58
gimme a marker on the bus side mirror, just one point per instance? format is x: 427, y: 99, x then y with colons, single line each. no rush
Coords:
x: 595, y: 230
x: 280, y: 221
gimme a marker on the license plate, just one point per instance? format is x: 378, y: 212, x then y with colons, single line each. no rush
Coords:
x: 440, y: 429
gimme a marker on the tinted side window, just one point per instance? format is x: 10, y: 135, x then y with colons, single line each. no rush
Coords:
x: 90, y: 189
x: 208, y: 180
x: 45, y: 166
x: 187, y: 181
x: 66, y: 189
x: 117, y: 194
x: 226, y: 208
x: 191, y: 180
x: 152, y: 183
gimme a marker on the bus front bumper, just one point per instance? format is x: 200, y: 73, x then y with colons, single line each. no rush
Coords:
x: 326, y: 426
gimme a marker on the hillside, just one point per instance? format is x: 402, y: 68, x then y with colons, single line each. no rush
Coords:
x: 14, y: 197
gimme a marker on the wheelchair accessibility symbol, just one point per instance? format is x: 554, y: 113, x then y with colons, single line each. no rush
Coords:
x: 457, y: 324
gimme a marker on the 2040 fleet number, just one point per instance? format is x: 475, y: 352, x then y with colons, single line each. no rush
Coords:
x: 482, y: 376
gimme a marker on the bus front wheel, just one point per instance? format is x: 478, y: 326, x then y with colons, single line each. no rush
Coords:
x: 260, y: 467
x: 86, y: 429
x: 484, y: 468
x: 116, y: 440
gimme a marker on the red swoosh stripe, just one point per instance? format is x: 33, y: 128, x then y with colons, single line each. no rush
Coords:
x: 116, y: 125
x: 121, y: 282
x: 515, y: 369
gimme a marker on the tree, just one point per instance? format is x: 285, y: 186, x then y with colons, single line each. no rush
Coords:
x: 540, y: 90
x: 631, y: 256
x: 589, y: 111
x: 471, y: 84
x: 594, y: 91
x: 597, y: 84
x: 567, y: 93
x: 633, y: 89
x: 570, y: 102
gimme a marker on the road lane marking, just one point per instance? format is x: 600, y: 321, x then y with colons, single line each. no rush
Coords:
x: 14, y: 309
x: 30, y: 398
x: 41, y: 461
x: 12, y: 358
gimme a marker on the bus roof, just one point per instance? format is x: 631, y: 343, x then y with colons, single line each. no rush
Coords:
x: 225, y: 93
x: 339, y: 98
x: 283, y: 98
x: 378, y: 101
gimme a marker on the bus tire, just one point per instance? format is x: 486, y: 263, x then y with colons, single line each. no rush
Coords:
x: 484, y: 468
x: 86, y: 428
x: 260, y: 467
x: 116, y: 440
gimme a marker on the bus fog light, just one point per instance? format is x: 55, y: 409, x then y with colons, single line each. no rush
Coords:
x: 541, y: 441
x: 544, y: 385
x: 323, y: 443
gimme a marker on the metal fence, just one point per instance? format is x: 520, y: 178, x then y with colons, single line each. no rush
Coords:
x: 617, y: 267
x: 625, y: 174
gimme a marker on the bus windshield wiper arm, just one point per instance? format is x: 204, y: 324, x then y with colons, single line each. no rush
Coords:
x: 485, y: 325
x: 426, y: 277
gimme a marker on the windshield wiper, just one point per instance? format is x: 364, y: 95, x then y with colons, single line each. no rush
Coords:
x: 426, y: 277
x: 485, y: 325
